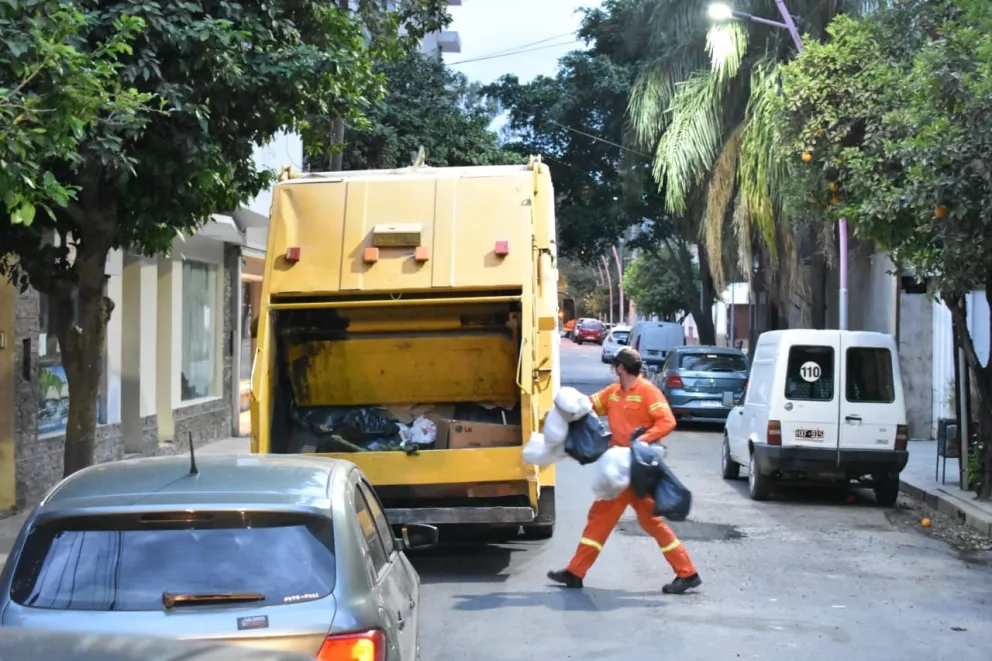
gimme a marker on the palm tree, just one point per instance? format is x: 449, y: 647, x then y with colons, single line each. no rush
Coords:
x: 706, y: 102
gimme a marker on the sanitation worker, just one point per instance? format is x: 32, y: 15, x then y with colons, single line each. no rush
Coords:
x: 631, y: 403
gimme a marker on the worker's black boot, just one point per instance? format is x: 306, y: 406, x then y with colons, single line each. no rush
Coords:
x: 566, y: 578
x: 680, y: 584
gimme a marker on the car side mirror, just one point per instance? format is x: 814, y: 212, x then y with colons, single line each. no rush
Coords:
x: 729, y: 400
x: 417, y: 537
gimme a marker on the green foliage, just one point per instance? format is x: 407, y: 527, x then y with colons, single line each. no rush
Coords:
x: 655, y: 286
x: 57, y: 91
x: 896, y: 114
x: 896, y: 111
x: 427, y: 104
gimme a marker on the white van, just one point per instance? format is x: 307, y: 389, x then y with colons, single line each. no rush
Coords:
x: 820, y: 405
x: 655, y: 339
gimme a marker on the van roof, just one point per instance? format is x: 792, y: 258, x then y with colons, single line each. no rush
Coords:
x: 807, y: 334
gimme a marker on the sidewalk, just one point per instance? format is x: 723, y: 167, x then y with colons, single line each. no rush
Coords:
x: 10, y: 526
x: 917, y: 479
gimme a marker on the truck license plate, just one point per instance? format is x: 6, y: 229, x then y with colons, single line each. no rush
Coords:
x: 809, y: 434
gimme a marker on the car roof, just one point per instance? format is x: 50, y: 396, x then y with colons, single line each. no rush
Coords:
x: 695, y: 348
x: 222, y: 480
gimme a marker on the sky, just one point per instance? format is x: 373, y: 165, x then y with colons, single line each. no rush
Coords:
x: 488, y: 28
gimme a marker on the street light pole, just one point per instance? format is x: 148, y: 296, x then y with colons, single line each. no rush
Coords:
x: 719, y: 11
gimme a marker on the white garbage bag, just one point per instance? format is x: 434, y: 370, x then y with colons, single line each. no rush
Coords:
x: 612, y: 474
x: 572, y: 404
x: 423, y: 431
x: 555, y: 428
x: 538, y: 452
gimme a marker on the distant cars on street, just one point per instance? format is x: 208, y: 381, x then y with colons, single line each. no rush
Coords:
x: 616, y: 338
x: 276, y: 552
x: 590, y: 330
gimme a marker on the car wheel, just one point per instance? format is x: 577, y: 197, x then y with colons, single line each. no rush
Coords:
x: 579, y: 342
x: 887, y: 490
x: 759, y: 486
x: 544, y: 525
x: 731, y: 469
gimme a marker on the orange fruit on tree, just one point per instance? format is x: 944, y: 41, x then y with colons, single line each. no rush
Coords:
x: 807, y: 157
x: 940, y: 212
x: 835, y: 200
x: 834, y: 187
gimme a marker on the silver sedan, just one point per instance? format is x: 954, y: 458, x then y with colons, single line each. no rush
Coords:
x: 284, y: 553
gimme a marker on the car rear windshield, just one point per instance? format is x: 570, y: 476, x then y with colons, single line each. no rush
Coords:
x: 620, y: 336
x: 593, y: 325
x: 869, y: 376
x: 126, y: 563
x: 712, y: 362
x: 810, y: 374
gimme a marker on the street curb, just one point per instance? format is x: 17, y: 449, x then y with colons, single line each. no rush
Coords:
x: 945, y: 503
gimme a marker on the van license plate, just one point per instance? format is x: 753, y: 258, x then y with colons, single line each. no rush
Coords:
x: 709, y: 403
x: 809, y: 434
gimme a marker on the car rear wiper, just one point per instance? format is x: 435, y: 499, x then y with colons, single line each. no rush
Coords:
x: 170, y: 600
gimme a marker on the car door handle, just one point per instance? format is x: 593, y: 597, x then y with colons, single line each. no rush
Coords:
x: 400, y: 622
x: 853, y: 418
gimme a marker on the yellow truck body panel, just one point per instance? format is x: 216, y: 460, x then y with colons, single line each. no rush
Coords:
x: 421, y: 287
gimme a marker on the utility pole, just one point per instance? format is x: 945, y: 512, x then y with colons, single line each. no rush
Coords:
x: 623, y: 309
x: 609, y: 284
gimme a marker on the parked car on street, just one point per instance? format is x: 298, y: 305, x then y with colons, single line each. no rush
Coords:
x: 287, y: 553
x: 615, y: 339
x: 33, y: 644
x: 591, y: 330
x: 576, y: 326
x: 694, y: 379
x: 655, y: 339
x: 820, y: 406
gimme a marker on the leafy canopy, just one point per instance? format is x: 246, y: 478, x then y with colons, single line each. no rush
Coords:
x: 895, y: 112
x: 56, y: 91
x: 654, y: 285
x: 430, y: 105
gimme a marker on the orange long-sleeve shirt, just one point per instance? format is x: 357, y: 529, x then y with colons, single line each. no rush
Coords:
x: 642, y: 406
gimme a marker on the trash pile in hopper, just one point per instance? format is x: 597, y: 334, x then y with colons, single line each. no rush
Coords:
x: 410, y: 429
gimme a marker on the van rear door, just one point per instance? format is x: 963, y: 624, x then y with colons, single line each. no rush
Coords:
x: 871, y: 403
x: 809, y: 410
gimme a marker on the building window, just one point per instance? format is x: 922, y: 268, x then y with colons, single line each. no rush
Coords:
x: 53, y: 386
x: 200, y: 319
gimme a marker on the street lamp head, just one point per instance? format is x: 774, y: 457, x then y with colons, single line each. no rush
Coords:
x: 720, y: 11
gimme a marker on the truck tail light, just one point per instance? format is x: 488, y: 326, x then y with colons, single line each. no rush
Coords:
x: 293, y: 254
x: 902, y: 437
x: 774, y: 432
x: 361, y: 646
x: 675, y: 381
x: 371, y: 255
x: 502, y: 248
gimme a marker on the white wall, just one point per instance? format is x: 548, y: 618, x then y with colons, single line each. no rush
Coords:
x: 943, y: 349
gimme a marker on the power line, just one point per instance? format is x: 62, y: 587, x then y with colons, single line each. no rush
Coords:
x: 598, y: 139
x: 533, y: 43
x: 513, y: 52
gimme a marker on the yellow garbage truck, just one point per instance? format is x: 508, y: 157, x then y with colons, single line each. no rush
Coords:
x: 409, y: 324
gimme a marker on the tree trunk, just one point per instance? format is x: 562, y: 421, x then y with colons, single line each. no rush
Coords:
x: 82, y: 350
x: 704, y: 321
x: 982, y: 381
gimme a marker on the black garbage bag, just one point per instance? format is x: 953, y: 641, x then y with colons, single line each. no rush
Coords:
x: 672, y: 499
x: 645, y: 468
x: 587, y: 440
x: 356, y: 424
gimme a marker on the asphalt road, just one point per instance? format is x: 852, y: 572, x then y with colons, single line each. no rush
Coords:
x: 811, y: 575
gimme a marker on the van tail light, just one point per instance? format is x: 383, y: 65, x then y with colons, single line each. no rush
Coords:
x: 675, y: 381
x: 902, y: 437
x: 361, y: 646
x: 637, y: 344
x: 774, y: 432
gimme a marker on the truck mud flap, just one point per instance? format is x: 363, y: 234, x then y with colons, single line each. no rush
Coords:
x: 460, y: 515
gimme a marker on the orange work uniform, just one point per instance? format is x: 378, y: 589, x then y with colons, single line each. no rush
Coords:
x: 642, y: 405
